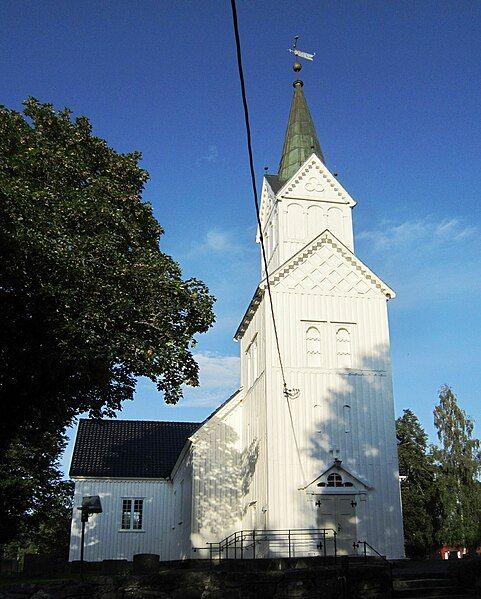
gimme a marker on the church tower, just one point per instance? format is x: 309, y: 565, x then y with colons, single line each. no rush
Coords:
x: 318, y: 422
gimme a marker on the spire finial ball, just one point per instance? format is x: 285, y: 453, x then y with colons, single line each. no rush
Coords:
x: 297, y: 67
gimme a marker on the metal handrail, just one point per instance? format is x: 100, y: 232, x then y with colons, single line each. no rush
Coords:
x: 383, y: 557
x: 366, y: 545
x: 243, y: 541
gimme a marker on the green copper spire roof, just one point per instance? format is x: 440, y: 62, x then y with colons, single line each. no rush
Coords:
x: 301, y: 137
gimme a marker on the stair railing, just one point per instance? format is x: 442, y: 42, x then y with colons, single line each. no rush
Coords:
x: 366, y: 545
x: 245, y: 543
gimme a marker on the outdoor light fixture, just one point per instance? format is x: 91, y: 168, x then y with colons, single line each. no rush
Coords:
x: 90, y: 505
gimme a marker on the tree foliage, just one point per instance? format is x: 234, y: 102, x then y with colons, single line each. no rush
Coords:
x: 457, y: 459
x: 35, y: 503
x: 440, y: 488
x: 418, y: 486
x: 88, y: 302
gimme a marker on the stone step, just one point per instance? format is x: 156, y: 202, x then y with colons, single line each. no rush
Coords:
x: 426, y: 593
x: 407, y: 583
x: 450, y: 596
x: 439, y: 588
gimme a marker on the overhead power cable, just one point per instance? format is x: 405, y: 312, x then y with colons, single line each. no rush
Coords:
x: 261, y: 236
x: 254, y: 185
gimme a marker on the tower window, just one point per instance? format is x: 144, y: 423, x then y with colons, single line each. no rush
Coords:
x: 313, y: 346
x: 343, y: 347
x: 295, y: 222
x: 334, y: 219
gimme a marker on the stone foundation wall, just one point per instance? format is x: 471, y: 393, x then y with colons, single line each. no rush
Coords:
x: 268, y: 579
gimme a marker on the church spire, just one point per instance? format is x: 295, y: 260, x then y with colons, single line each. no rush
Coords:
x: 301, y: 138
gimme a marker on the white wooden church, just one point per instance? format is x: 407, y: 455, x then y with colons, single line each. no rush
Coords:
x: 274, y: 471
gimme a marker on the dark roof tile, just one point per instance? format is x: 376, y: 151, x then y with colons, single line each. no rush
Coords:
x: 128, y: 448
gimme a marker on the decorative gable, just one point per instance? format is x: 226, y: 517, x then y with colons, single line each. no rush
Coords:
x: 336, y: 480
x: 268, y: 200
x: 327, y: 266
x: 314, y: 181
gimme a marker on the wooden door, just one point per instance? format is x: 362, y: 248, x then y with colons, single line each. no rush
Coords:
x: 338, y: 512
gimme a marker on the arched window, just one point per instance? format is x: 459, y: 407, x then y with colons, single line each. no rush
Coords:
x: 295, y: 222
x: 334, y: 480
x: 347, y: 418
x: 334, y: 221
x: 315, y: 220
x: 313, y: 346
x: 343, y: 348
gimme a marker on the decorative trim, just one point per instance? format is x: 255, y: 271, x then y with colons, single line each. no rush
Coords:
x: 314, y: 164
x: 327, y: 238
x: 324, y: 238
x: 337, y: 466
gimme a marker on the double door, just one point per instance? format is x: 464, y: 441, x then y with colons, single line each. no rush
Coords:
x: 338, y: 512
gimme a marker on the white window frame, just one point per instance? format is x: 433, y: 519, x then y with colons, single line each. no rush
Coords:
x: 133, y: 511
x: 321, y: 326
x: 351, y: 328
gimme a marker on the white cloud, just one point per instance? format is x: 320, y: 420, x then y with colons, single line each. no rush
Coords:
x: 217, y: 371
x: 218, y: 376
x: 425, y: 260
x: 413, y: 232
x: 218, y: 240
x: 237, y: 243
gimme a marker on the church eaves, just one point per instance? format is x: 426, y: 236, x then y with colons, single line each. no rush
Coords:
x: 301, y: 138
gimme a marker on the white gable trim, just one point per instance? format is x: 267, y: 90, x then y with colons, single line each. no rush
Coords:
x: 268, y: 201
x: 337, y: 466
x: 326, y: 237
x: 249, y: 313
x: 314, y: 164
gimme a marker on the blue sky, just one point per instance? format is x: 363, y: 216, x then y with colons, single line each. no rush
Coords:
x: 395, y: 94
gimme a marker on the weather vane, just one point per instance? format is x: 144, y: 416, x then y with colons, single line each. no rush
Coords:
x: 300, y: 54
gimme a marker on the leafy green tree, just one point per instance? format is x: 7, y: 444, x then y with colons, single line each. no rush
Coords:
x: 35, y: 503
x: 88, y: 302
x: 457, y: 458
x: 418, y: 485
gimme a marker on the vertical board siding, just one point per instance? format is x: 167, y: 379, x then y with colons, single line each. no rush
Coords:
x: 368, y: 450
x: 104, y: 538
x: 217, y: 477
x: 180, y: 537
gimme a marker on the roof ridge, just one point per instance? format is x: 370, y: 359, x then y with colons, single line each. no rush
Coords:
x: 139, y: 420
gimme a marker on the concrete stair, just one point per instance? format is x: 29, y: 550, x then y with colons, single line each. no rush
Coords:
x: 420, y: 587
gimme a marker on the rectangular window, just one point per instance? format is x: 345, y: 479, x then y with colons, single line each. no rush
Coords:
x: 132, y: 513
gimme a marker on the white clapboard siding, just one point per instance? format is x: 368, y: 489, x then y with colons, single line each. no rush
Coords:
x: 217, y: 474
x: 104, y: 538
